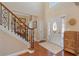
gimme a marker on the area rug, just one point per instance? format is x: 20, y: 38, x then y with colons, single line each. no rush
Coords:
x: 51, y: 47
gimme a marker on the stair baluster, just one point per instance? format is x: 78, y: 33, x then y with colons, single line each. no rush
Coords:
x: 10, y: 21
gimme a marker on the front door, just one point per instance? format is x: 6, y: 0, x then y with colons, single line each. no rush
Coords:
x: 57, y: 35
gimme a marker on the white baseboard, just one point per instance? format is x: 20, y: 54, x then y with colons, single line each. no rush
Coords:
x: 21, y: 52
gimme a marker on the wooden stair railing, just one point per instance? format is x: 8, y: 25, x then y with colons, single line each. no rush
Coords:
x: 10, y: 21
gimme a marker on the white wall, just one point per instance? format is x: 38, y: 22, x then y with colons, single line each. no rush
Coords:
x: 26, y: 8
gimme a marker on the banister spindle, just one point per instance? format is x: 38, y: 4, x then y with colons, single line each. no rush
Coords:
x: 32, y: 39
x: 0, y: 14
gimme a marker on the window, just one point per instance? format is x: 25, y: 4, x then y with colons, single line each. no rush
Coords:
x: 52, y: 4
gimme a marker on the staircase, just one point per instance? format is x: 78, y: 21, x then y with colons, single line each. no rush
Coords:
x: 12, y: 25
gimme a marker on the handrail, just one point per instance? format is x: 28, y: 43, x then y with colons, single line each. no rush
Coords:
x: 16, y: 17
x: 22, y: 24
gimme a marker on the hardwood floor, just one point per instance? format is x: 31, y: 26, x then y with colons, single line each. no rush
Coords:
x: 68, y: 54
x: 40, y: 51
